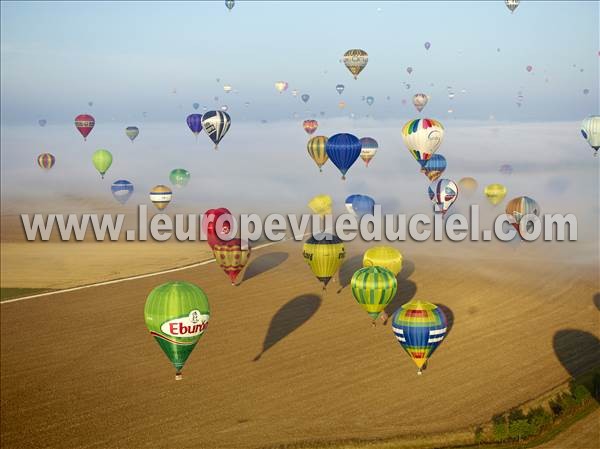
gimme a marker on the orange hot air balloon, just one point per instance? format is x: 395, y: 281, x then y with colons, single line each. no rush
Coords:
x: 232, y: 257
x: 84, y: 124
x: 310, y: 126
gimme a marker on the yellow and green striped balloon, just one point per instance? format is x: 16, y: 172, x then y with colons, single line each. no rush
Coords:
x: 374, y: 288
x: 324, y: 254
x: 316, y: 150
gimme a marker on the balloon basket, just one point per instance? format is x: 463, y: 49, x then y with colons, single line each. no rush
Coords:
x: 178, y: 375
x: 419, y: 372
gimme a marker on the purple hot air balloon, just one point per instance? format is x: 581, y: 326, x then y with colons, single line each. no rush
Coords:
x: 194, y: 122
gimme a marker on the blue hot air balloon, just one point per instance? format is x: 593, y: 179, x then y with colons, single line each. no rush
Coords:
x: 196, y: 105
x: 434, y: 167
x: 343, y: 150
x: 359, y: 205
x: 122, y: 190
x: 305, y: 98
x: 194, y: 122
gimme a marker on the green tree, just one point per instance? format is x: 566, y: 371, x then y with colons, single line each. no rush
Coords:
x: 515, y: 414
x: 478, y: 434
x: 519, y: 429
x: 581, y: 394
x: 538, y: 418
x: 500, y: 428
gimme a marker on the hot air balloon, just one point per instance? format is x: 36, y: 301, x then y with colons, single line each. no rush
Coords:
x: 160, y: 196
x: 194, y: 122
x: 176, y: 314
x: 420, y: 101
x: 179, y: 177
x: 443, y: 193
x: 305, y: 98
x: 46, y: 161
x: 518, y: 208
x: 356, y: 60
x: 324, y: 254
x: 419, y: 327
x: 383, y: 256
x: 90, y: 103
x: 468, y: 186
x: 359, y: 205
x: 310, y: 126
x: 281, y: 86
x: 102, y: 160
x: 374, y: 288
x: 84, y: 124
x: 427, y: 45
x: 317, y: 150
x: 212, y: 228
x: 232, y: 256
x: 224, y: 108
x: 586, y: 91
x: 196, y: 105
x: 227, y: 88
x: 121, y: 190
x: 216, y: 124
x: 369, y: 147
x: 495, y: 193
x: 342, y: 104
x: 423, y: 137
x: 343, y: 150
x: 434, y: 167
x: 339, y: 88
x: 512, y: 4
x: 321, y: 205
x: 506, y: 169
x: 229, y: 4
x: 590, y: 130
x: 370, y: 101
x: 409, y: 70
x: 295, y: 92
x: 42, y: 122
x: 529, y: 68
x: 132, y: 132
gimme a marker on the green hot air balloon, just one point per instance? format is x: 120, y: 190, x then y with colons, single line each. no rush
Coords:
x: 176, y: 315
x: 132, y: 132
x: 179, y: 177
x: 102, y: 160
x: 374, y: 288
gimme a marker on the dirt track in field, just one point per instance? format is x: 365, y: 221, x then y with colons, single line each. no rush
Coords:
x: 80, y: 370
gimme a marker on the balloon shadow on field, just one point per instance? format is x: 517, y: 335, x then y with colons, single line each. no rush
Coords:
x: 406, y: 291
x: 449, y: 318
x: 347, y: 270
x: 264, y: 263
x: 597, y: 300
x: 578, y: 351
x: 288, y: 318
x: 408, y: 269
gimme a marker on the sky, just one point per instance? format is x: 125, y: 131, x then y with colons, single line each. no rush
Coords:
x: 129, y: 58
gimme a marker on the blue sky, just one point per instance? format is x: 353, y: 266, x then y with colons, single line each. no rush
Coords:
x: 127, y: 57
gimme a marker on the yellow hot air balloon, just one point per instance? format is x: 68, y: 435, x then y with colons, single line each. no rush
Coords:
x: 316, y: 150
x: 321, y: 204
x: 324, y: 254
x: 383, y: 256
x: 281, y: 86
x: 161, y: 196
x: 495, y: 193
x: 356, y: 60
x: 467, y: 186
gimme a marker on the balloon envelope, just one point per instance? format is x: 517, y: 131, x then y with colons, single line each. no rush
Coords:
x: 339, y: 88
x: 443, y: 193
x: 495, y: 193
x: 132, y: 132
x: 194, y: 122
x: 161, y: 196
x: 310, y: 126
x: 46, y: 161
x: 434, y: 167
x: 317, y: 150
x: 343, y: 150
x: 383, y: 256
x: 590, y: 130
x: 176, y: 315
x: 84, y: 124
x: 355, y: 61
x: 518, y: 208
x: 215, y: 228
x: 374, y: 288
x: 321, y: 204
x: 324, y: 254
x: 121, y: 190
x: 216, y: 124
x: 360, y: 205
x: 419, y: 327
x: 423, y: 137
x: 369, y: 147
x: 232, y: 256
x: 179, y: 177
x: 102, y: 160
